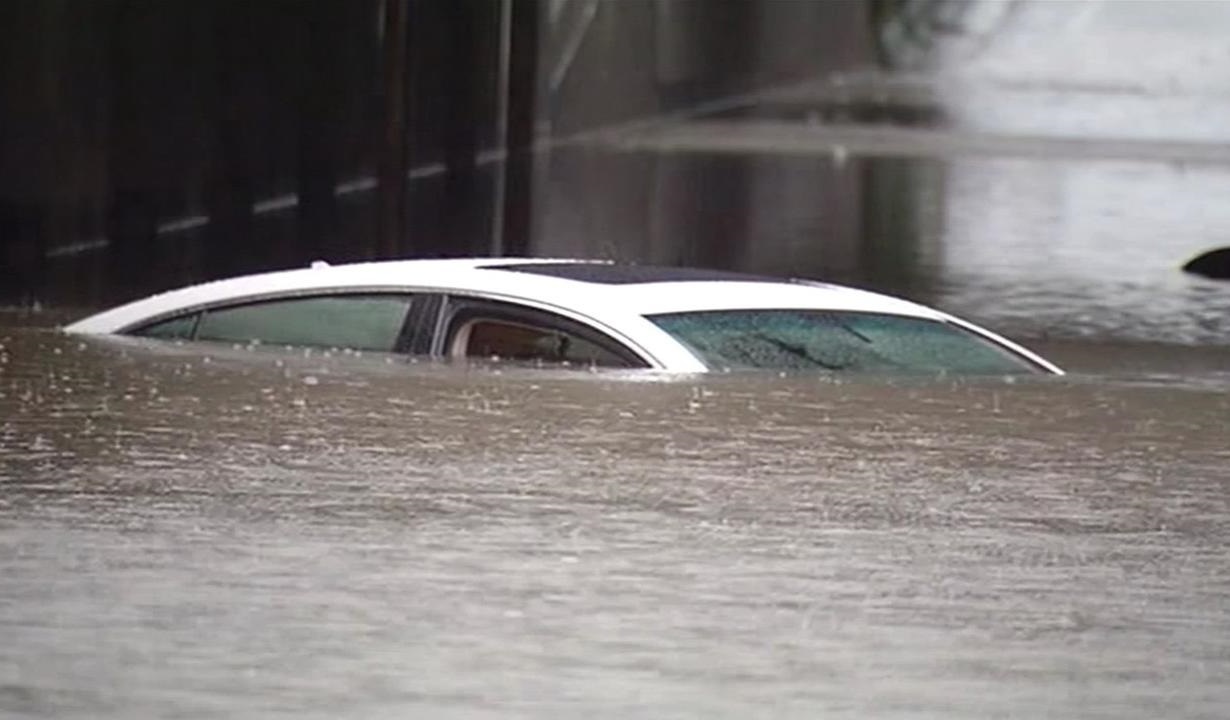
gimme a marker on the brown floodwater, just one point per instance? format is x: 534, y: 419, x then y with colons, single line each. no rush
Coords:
x: 225, y: 532
x: 221, y: 532
x: 232, y: 532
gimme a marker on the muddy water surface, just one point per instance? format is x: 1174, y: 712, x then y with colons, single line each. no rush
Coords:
x: 248, y: 533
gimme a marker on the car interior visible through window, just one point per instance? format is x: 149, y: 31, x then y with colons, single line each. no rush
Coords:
x: 507, y: 340
x: 492, y: 329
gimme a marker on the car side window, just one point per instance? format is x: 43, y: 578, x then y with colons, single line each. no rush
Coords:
x: 360, y: 322
x: 177, y: 328
x: 491, y: 330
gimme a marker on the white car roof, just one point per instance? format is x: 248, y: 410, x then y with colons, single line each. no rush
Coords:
x: 623, y: 290
x: 615, y: 298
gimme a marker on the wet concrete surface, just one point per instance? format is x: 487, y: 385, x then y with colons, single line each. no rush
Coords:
x: 216, y: 532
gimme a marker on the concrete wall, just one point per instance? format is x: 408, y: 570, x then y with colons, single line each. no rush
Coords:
x: 647, y: 59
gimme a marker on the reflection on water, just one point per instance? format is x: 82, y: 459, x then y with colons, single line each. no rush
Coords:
x: 241, y: 532
x: 1090, y: 249
x: 1039, y: 246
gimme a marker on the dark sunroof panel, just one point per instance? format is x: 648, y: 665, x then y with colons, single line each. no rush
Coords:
x: 629, y: 274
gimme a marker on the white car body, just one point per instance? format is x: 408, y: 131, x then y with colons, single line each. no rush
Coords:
x: 617, y: 309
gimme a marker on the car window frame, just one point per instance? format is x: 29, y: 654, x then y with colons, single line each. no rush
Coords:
x: 456, y: 310
x: 416, y: 331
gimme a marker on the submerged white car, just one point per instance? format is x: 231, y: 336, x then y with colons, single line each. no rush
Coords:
x: 575, y: 312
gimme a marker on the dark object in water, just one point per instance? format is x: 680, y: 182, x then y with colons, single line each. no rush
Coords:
x: 1212, y: 264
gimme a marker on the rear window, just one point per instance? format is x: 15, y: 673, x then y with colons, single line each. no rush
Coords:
x: 837, y: 341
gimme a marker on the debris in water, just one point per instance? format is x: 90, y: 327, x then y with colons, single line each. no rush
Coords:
x: 1213, y: 264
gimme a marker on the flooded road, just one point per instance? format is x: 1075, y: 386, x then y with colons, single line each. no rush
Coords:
x: 239, y: 533
x: 225, y: 532
x: 264, y: 533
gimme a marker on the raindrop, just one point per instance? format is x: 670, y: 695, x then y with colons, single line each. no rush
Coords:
x: 840, y: 155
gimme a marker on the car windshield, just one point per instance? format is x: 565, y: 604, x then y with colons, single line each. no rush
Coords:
x: 837, y: 341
